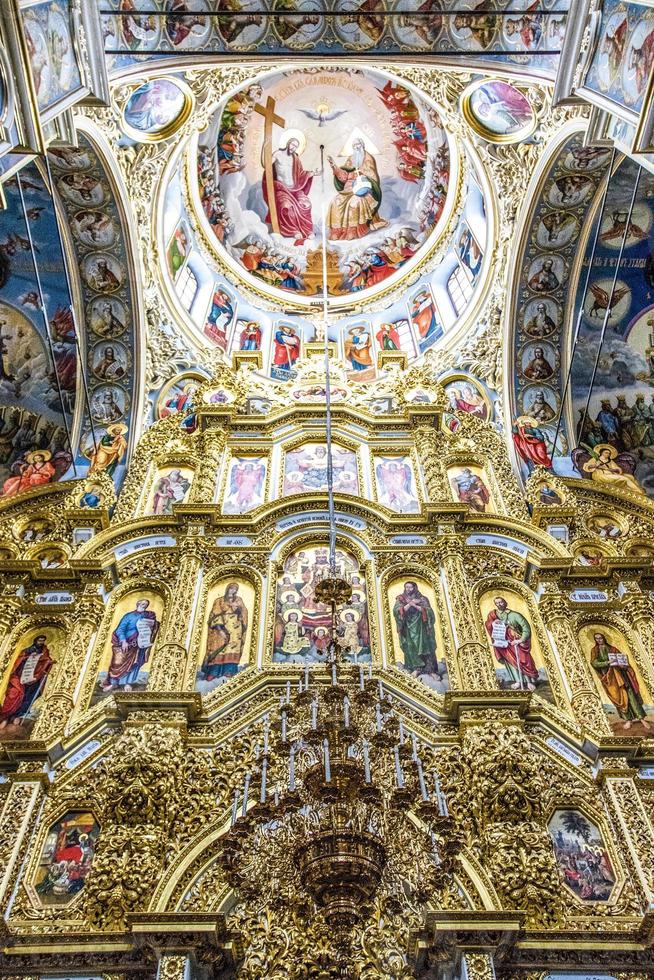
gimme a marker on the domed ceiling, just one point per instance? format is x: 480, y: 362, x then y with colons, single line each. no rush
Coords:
x: 353, y: 151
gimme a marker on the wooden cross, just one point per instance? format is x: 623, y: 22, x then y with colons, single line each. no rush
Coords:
x: 270, y: 119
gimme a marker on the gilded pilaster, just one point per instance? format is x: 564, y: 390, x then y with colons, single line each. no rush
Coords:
x: 473, y: 656
x: 630, y: 814
x: 426, y: 442
x: 21, y: 804
x: 586, y: 705
x: 170, y: 660
x: 203, y: 488
x: 59, y: 701
x: 639, y: 611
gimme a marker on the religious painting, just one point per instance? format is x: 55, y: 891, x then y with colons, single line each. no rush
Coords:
x: 470, y: 486
x: 305, y: 469
x: 188, y: 24
x: 140, y: 29
x: 126, y: 656
x: 611, y: 469
x: 589, y: 555
x: 513, y: 639
x: 107, y: 317
x: 380, y: 150
x: 417, y: 641
x: 110, y: 361
x: 178, y: 395
x: 542, y: 316
x: 51, y: 50
x: 241, y: 24
x: 36, y: 529
x: 66, y: 858
x: 498, y: 111
x: 425, y: 318
x: 30, y: 664
x: 227, y: 634
x: 623, y: 54
x: 109, y: 403
x: 357, y: 346
x: 106, y: 449
x: 247, y: 335
x: 82, y: 189
x: 604, y: 526
x: 640, y: 551
x: 361, y: 24
x: 220, y: 315
x: 467, y: 395
x: 51, y: 557
x: 303, y: 26
x: 217, y: 396
x: 395, y: 336
x: 582, y: 855
x: 92, y: 497
x: 102, y: 272
x: 469, y: 251
x: 396, y: 484
x: 245, y: 487
x: 626, y: 698
x: 156, y: 109
x: 286, y: 350
x: 303, y: 626
x: 539, y: 361
x: 171, y: 486
x: 97, y: 229
x: 540, y: 401
x: 548, y: 496
x: 419, y: 32
x: 178, y: 249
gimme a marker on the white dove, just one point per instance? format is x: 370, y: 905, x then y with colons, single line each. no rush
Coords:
x: 322, y: 114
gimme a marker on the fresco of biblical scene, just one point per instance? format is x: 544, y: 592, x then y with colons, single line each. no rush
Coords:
x: 25, y: 679
x: 303, y: 625
x: 178, y: 395
x: 498, y: 111
x: 66, y: 858
x: 396, y: 484
x: 305, y: 469
x: 425, y: 318
x: 220, y: 315
x: 227, y: 634
x: 156, y: 109
x: 51, y: 51
x: 178, y: 249
x: 623, y: 55
x: 127, y: 655
x: 466, y: 395
x: 417, y: 645
x: 247, y: 335
x: 604, y: 526
x: 171, y: 486
x: 582, y: 856
x: 589, y: 555
x: 640, y: 551
x: 470, y: 486
x: 386, y: 173
x: 357, y: 346
x: 469, y: 251
x: 548, y: 496
x: 626, y: 699
x: 187, y: 26
x: 286, y: 349
x: 512, y: 636
x: 246, y: 484
x: 609, y: 468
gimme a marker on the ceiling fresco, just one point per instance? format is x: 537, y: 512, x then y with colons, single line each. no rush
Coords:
x: 347, y: 148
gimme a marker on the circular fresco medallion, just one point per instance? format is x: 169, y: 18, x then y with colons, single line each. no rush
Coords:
x: 156, y: 109
x: 352, y: 145
x: 497, y: 111
x: 304, y: 25
x: 241, y: 26
x: 417, y: 23
x: 140, y: 31
x: 187, y: 23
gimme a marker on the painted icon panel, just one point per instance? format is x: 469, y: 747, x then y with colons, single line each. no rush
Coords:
x: 171, y: 486
x: 582, y: 856
x: 470, y: 486
x: 226, y: 640
x: 66, y: 858
x: 246, y: 484
x: 126, y: 658
x: 626, y: 698
x: 396, y: 484
x: 305, y: 469
x: 25, y: 680
x: 509, y: 625
x: 417, y: 641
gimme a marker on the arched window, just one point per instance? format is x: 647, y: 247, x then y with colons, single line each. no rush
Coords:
x: 187, y: 287
x: 459, y: 288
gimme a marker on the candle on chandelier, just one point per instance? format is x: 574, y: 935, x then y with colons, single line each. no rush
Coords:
x: 333, y: 675
x: 440, y: 796
x: 266, y: 729
x: 299, y: 686
x: 414, y: 744
x: 378, y: 717
x: 401, y: 732
x: 283, y: 726
x: 381, y: 691
x: 306, y: 677
x: 264, y: 773
x: 366, y: 761
x: 276, y: 796
x: 291, y: 770
x: 421, y: 780
x: 235, y: 807
x: 370, y: 671
x: 361, y: 677
x: 346, y: 711
x: 325, y: 750
x: 246, y: 790
x: 314, y: 714
x: 399, y: 775
x: 288, y: 692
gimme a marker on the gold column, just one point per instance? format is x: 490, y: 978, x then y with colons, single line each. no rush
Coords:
x: 203, y: 488
x: 478, y: 966
x: 58, y: 704
x: 20, y: 806
x: 560, y: 621
x: 426, y: 443
x: 629, y: 813
x: 639, y: 611
x: 169, y: 663
x: 473, y: 655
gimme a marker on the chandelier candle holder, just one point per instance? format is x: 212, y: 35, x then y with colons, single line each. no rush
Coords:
x: 339, y: 791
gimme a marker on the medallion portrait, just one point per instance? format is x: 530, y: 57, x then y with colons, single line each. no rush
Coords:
x: 626, y: 698
x: 396, y: 484
x: 26, y: 678
x: 466, y: 395
x: 66, y: 858
x: 171, y: 486
x: 156, y: 109
x: 305, y: 469
x: 509, y: 625
x: 582, y: 856
x: 246, y: 484
x: 417, y: 642
x: 126, y: 657
x: 498, y: 111
x: 187, y: 23
x: 227, y: 634
x: 303, y: 625
x: 469, y: 486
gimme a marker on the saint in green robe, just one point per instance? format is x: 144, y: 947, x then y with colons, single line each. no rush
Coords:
x: 415, y: 621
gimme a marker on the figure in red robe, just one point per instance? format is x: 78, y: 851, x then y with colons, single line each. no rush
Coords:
x: 529, y: 442
x: 291, y: 186
x: 26, y: 681
x: 36, y: 471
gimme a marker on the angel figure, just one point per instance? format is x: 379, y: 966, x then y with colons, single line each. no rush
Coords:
x: 245, y: 486
x: 606, y: 466
x: 395, y: 482
x: 603, y: 301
